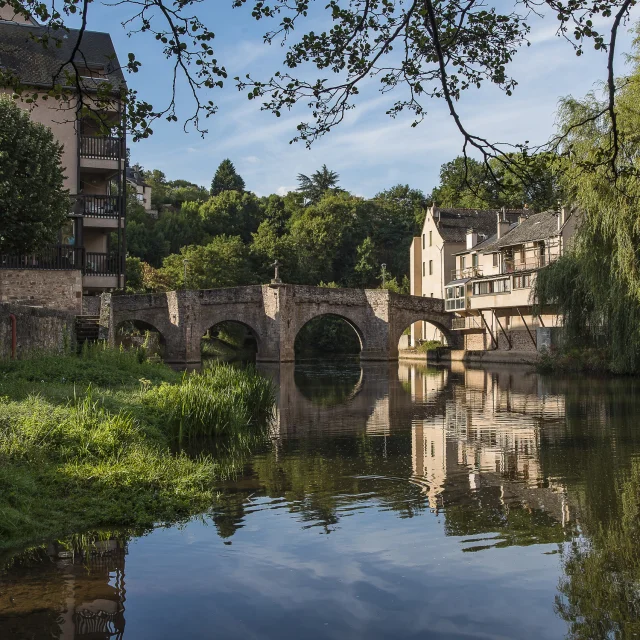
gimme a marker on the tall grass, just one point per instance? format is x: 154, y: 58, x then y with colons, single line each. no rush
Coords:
x: 221, y: 400
x: 73, y: 460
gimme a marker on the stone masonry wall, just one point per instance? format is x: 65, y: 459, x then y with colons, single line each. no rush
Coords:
x: 475, y: 341
x: 61, y: 290
x: 37, y: 329
x: 91, y: 305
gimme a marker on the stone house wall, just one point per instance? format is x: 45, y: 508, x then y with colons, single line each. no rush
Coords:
x: 61, y: 290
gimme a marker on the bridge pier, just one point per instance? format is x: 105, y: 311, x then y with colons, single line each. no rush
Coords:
x: 274, y: 314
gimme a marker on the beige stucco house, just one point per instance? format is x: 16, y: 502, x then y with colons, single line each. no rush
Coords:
x: 93, y: 239
x: 433, y: 254
x: 484, y: 264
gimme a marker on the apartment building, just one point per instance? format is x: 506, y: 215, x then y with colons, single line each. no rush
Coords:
x: 93, y: 239
x: 433, y: 254
x: 490, y: 289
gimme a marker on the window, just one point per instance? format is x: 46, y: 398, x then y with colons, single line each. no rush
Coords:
x: 454, y: 298
x: 423, y: 236
x: 474, y: 260
x: 432, y: 295
x: 430, y: 267
x: 522, y: 254
x: 491, y: 286
x: 430, y: 238
x: 423, y: 269
x: 522, y: 281
x: 495, y: 259
x: 463, y: 262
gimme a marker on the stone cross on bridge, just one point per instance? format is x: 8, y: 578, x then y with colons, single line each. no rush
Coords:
x: 274, y: 314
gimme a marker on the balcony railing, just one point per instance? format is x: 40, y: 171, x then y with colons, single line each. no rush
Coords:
x: 470, y: 322
x: 56, y: 258
x: 101, y: 264
x: 468, y: 272
x: 63, y: 257
x: 101, y: 148
x: 98, y: 206
x: 512, y: 266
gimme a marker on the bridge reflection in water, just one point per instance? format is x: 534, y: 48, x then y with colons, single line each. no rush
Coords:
x: 465, y: 444
x: 475, y: 433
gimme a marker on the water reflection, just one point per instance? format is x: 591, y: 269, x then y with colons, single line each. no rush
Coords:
x: 66, y: 592
x: 390, y: 501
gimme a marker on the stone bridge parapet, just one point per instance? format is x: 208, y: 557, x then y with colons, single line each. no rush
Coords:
x: 275, y: 314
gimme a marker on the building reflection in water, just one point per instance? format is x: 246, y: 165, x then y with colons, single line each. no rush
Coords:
x: 69, y: 595
x: 488, y: 435
x: 475, y: 434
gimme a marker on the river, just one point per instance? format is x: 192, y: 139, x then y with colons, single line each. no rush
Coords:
x: 390, y: 501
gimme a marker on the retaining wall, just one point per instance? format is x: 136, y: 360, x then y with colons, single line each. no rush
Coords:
x: 37, y: 330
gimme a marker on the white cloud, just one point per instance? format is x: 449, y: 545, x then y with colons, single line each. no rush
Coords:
x: 282, y: 191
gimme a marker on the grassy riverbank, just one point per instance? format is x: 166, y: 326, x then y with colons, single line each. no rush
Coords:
x: 94, y: 440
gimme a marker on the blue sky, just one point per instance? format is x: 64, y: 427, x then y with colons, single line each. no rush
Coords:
x: 369, y: 150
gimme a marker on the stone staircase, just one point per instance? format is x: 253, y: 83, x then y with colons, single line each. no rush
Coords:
x: 87, y: 329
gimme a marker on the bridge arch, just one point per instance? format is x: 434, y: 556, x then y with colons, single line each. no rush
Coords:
x: 404, y: 319
x: 358, y: 333
x: 212, y: 317
x: 126, y: 329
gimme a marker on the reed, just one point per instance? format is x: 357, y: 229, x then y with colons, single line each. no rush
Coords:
x: 220, y: 401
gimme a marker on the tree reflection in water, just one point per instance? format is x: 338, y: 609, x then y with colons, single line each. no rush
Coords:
x: 498, y: 458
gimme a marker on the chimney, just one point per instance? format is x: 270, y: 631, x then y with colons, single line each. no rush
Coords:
x: 502, y: 224
x: 472, y: 238
x: 562, y: 217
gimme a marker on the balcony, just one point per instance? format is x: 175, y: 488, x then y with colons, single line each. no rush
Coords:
x: 98, y: 206
x: 64, y: 257
x: 100, y: 264
x: 57, y: 258
x: 470, y: 322
x: 468, y: 272
x: 102, y: 148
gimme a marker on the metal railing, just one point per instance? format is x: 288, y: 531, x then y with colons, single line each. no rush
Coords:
x: 468, y: 272
x: 55, y: 258
x: 63, y: 257
x: 98, y: 206
x: 512, y: 266
x: 470, y: 322
x: 99, y: 147
x: 101, y: 264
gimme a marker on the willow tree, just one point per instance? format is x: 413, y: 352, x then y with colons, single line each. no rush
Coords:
x: 597, y: 284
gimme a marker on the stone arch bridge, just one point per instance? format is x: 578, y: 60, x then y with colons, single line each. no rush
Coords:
x: 275, y: 314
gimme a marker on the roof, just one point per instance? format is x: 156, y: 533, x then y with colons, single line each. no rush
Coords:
x: 454, y: 223
x: 37, y: 65
x: 539, y: 226
x: 458, y: 282
x: 136, y: 177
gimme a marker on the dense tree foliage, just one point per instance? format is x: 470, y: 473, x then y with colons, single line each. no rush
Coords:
x: 226, y: 178
x: 33, y: 202
x: 465, y: 182
x: 330, y: 237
